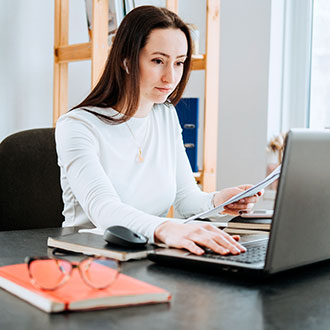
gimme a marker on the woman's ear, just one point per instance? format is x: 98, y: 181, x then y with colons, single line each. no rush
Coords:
x: 125, y: 66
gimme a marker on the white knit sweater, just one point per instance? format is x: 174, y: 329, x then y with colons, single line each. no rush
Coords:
x: 104, y: 185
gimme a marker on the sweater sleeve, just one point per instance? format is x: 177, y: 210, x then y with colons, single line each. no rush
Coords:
x: 78, y: 156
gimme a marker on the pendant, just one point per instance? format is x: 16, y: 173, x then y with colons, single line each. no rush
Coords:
x: 139, y: 157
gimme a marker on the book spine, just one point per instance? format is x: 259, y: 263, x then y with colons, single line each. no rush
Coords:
x: 187, y: 110
x: 33, y: 298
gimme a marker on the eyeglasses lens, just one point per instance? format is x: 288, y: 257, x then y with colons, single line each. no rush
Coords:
x: 50, y: 273
x: 99, y: 273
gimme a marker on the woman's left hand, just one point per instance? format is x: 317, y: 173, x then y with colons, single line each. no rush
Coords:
x: 245, y: 204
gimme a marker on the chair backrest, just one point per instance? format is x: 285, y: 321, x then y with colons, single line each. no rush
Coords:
x: 30, y: 191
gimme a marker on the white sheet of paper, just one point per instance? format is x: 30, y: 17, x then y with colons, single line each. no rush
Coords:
x: 247, y: 193
x: 97, y: 231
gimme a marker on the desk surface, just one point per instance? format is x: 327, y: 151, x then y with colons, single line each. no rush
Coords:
x: 293, y: 300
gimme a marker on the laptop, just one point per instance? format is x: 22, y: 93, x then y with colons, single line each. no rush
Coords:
x: 300, y: 231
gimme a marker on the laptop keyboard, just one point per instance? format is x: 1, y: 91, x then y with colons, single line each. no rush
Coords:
x: 253, y: 254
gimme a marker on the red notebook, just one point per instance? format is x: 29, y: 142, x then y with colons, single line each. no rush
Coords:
x: 76, y: 295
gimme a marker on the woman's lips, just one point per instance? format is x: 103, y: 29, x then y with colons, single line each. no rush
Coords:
x: 164, y: 90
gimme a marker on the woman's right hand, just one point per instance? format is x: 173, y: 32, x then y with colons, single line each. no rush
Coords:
x: 193, y: 236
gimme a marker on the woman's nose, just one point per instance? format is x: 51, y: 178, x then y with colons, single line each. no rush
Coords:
x: 168, y: 75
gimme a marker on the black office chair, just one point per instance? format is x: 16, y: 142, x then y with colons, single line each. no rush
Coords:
x: 30, y: 193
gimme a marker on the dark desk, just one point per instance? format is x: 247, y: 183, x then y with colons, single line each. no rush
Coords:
x: 295, y: 300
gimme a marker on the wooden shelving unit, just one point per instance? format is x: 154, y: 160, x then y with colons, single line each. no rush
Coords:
x: 97, y: 50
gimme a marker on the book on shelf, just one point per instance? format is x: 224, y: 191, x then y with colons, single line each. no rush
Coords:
x: 187, y: 110
x: 128, y: 6
x: 116, y: 13
x: 94, y: 244
x: 76, y: 295
x: 249, y: 223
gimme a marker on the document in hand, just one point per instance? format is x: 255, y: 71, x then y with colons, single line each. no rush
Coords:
x: 247, y: 193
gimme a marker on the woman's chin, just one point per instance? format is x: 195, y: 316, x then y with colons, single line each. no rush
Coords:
x: 160, y: 99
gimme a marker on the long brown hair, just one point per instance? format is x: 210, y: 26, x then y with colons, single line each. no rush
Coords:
x: 115, y: 85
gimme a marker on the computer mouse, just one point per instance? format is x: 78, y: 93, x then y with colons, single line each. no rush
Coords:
x: 125, y: 237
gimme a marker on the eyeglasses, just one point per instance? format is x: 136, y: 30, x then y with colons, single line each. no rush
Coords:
x: 51, y: 273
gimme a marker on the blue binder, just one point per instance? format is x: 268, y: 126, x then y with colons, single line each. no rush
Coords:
x: 187, y: 110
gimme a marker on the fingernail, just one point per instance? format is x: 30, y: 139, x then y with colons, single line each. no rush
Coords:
x: 199, y: 251
x: 237, y: 250
x: 243, y: 248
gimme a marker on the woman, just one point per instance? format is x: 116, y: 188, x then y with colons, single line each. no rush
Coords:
x: 120, y: 151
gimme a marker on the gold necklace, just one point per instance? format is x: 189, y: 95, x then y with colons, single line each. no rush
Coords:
x: 139, y: 157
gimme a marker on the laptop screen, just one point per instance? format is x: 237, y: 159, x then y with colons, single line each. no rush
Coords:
x: 300, y: 232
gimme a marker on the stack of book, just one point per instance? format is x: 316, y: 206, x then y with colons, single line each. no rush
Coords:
x: 254, y: 223
x: 240, y: 226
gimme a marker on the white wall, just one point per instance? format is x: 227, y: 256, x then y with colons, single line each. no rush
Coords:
x: 26, y: 75
x: 26, y: 63
x: 244, y: 67
x: 276, y: 69
x: 320, y: 77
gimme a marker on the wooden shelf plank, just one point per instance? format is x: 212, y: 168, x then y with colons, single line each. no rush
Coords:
x: 72, y: 53
x: 83, y: 51
x: 198, y: 176
x: 198, y: 62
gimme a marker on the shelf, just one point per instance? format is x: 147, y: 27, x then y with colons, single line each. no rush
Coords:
x: 72, y: 53
x: 198, y: 62
x: 83, y: 51
x: 97, y: 50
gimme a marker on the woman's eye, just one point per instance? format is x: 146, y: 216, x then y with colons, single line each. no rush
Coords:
x: 180, y: 63
x: 157, y: 61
